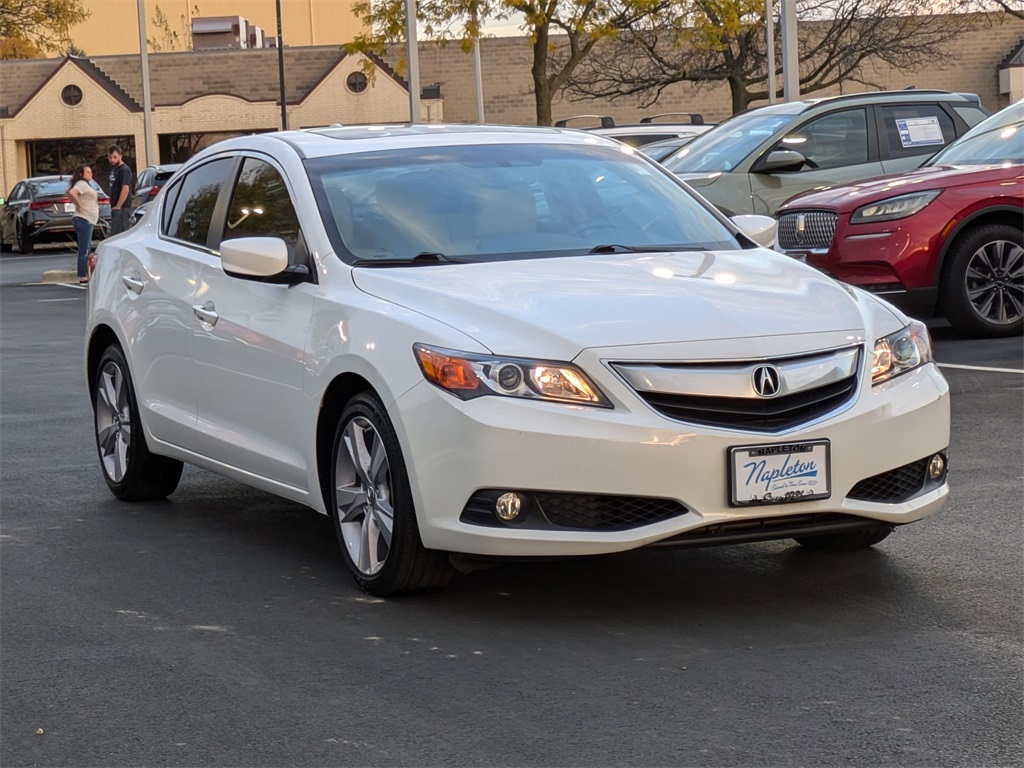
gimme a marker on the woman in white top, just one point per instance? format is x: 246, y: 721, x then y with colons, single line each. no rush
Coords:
x: 87, y: 213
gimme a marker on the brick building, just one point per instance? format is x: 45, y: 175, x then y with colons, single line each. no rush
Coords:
x: 59, y: 113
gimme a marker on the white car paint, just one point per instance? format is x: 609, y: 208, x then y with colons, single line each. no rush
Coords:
x: 242, y: 398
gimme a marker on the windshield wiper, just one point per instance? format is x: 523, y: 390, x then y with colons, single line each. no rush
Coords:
x: 617, y: 248
x: 425, y: 258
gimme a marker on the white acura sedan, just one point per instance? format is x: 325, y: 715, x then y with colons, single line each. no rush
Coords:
x: 474, y: 342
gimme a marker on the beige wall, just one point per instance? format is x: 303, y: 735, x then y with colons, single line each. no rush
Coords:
x: 972, y: 66
x: 99, y: 114
x: 113, y: 27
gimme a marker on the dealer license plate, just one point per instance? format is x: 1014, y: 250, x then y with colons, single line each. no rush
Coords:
x: 779, y: 474
x: 69, y: 207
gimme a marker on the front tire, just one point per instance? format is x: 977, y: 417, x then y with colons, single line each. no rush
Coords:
x: 845, y: 542
x: 372, y: 506
x: 983, y: 289
x: 131, y: 471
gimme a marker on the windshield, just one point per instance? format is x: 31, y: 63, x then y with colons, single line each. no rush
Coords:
x: 723, y: 148
x: 999, y: 140
x: 486, y: 202
x: 659, y: 150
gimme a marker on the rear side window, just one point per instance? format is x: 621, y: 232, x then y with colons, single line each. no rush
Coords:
x: 915, y: 129
x: 192, y: 213
x: 260, y: 206
x: 971, y: 115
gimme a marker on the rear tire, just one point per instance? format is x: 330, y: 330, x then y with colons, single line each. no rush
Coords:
x: 370, y: 493
x: 131, y: 471
x: 983, y: 279
x: 845, y: 542
x: 25, y: 244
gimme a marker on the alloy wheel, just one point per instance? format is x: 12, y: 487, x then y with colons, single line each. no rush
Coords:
x: 363, y: 495
x: 113, y: 421
x: 994, y: 282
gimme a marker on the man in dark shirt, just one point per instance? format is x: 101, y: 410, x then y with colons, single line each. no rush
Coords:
x: 121, y: 182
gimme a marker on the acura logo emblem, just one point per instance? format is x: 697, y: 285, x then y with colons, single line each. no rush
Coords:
x: 767, y: 380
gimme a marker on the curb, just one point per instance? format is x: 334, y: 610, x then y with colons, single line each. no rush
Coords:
x: 60, y: 276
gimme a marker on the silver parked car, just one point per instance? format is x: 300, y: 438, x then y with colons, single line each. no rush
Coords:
x: 758, y: 159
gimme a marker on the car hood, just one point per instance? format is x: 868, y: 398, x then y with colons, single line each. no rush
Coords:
x: 556, y: 307
x: 850, y: 196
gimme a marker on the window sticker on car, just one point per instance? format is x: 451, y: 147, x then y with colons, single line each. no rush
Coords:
x: 919, y: 131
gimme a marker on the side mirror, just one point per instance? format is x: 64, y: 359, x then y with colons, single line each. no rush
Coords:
x: 263, y: 259
x: 781, y: 161
x: 760, y: 229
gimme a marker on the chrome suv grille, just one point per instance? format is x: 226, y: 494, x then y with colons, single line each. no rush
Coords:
x: 731, y: 395
x: 807, y: 230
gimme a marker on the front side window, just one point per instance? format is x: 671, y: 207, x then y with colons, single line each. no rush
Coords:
x: 260, y: 206
x: 727, y: 145
x: 486, y: 202
x: 915, y: 129
x: 197, y: 194
x: 835, y: 140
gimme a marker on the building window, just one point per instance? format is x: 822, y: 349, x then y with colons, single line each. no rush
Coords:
x: 356, y: 82
x: 71, y: 95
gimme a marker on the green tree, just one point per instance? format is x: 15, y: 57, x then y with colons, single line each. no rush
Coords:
x: 704, y: 42
x: 44, y: 24
x: 562, y: 33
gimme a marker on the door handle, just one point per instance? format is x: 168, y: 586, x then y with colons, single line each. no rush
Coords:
x: 207, y: 313
x: 133, y: 283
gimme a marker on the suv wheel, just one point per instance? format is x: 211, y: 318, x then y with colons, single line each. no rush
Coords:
x: 983, y: 290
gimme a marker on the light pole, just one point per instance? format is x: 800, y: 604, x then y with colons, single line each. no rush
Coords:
x: 478, y: 77
x: 280, y: 69
x: 769, y: 22
x: 147, y: 105
x: 413, y: 54
x: 790, y: 52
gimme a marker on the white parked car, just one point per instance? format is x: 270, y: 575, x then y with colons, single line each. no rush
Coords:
x: 466, y: 342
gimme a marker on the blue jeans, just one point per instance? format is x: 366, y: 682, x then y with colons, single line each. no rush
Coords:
x: 83, y: 233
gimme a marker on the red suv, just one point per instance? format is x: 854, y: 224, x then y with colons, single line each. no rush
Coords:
x: 946, y: 238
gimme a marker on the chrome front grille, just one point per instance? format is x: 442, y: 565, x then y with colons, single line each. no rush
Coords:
x: 726, y: 394
x: 807, y: 230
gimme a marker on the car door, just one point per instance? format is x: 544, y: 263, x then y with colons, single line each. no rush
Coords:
x: 839, y: 147
x: 911, y: 133
x: 158, y: 280
x: 250, y: 337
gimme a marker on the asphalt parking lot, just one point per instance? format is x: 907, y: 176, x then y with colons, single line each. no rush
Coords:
x: 220, y: 628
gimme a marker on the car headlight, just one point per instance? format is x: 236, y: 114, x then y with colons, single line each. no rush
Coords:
x: 900, y: 352
x: 894, y: 207
x: 468, y: 376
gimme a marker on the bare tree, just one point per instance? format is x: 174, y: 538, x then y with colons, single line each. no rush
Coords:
x: 562, y: 33
x: 711, y: 41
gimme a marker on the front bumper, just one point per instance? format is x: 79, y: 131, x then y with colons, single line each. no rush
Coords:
x: 455, y: 448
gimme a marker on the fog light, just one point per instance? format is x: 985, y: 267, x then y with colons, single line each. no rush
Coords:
x: 937, y: 467
x: 507, y: 506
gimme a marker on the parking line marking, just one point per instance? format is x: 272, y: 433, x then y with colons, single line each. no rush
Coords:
x: 980, y: 368
x: 73, y: 298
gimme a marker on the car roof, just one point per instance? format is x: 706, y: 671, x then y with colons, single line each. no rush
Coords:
x: 321, y: 142
x: 910, y: 95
